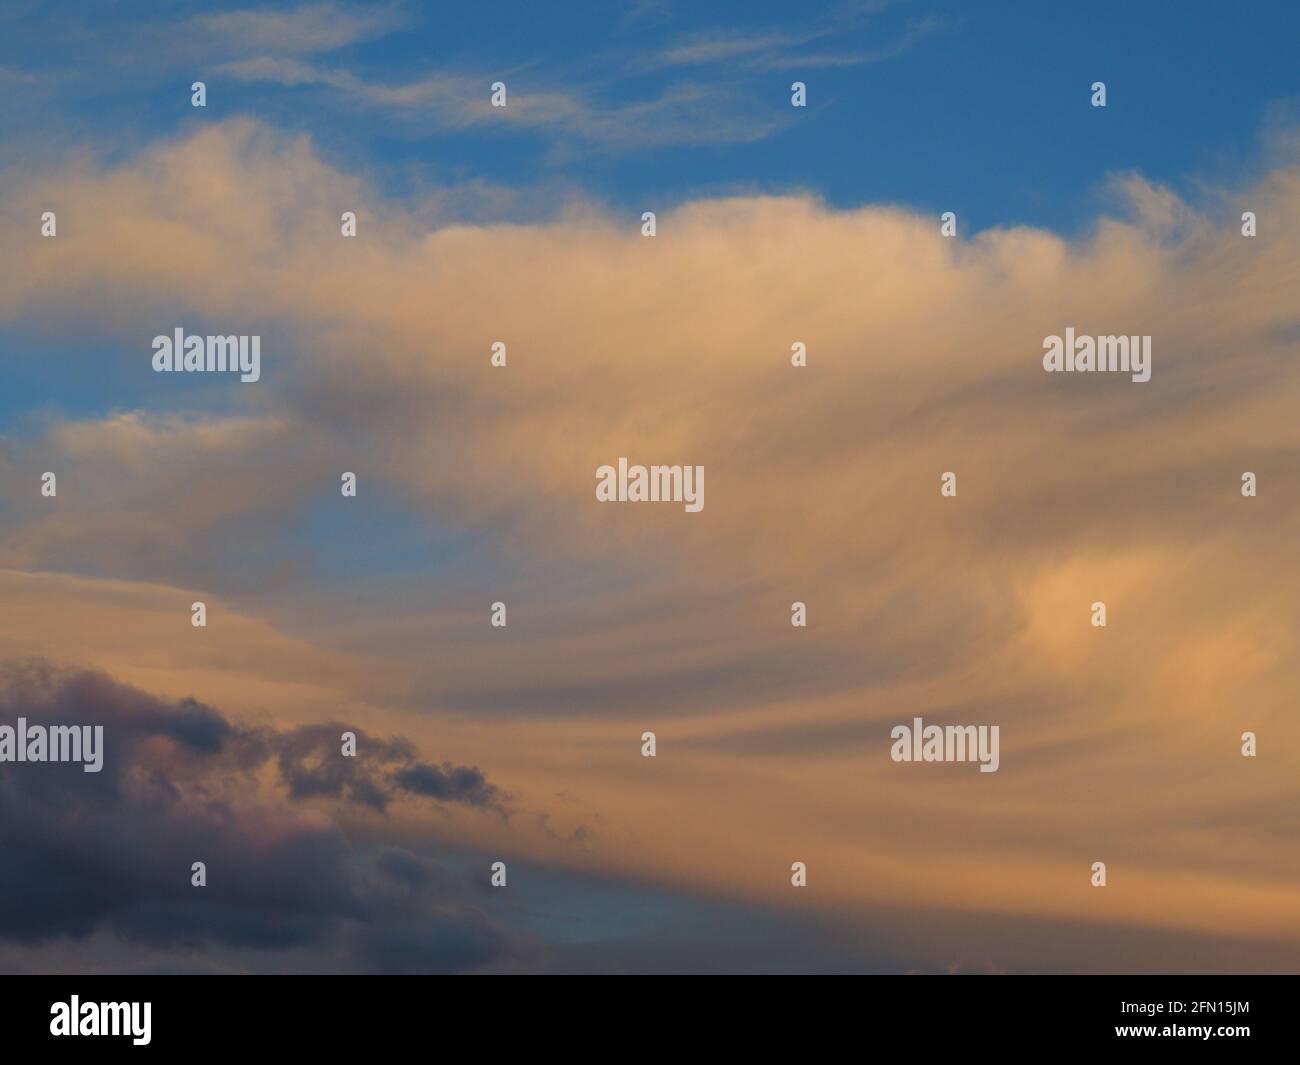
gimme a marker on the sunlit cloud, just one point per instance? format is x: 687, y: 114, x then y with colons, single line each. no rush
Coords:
x: 924, y: 357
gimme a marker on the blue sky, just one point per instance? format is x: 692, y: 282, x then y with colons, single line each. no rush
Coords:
x: 936, y: 105
x: 941, y: 106
x: 979, y: 108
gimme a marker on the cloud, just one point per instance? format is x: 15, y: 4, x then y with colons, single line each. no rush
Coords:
x: 13, y: 78
x: 199, y: 741
x: 124, y: 462
x: 303, y: 30
x: 914, y: 31
x: 180, y: 783
x: 151, y: 50
x: 823, y: 486
x: 720, y: 45
x: 310, y: 766
x: 643, y: 13
x: 456, y: 101
x: 781, y: 49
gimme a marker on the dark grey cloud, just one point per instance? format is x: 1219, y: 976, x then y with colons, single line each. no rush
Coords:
x: 88, y: 853
x: 310, y: 765
x: 450, y: 783
x: 160, y: 744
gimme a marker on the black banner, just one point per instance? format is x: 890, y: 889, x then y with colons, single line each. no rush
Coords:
x: 1227, y: 1017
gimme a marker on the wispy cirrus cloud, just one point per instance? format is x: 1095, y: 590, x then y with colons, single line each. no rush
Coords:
x: 722, y: 45
x: 302, y: 30
x: 913, y: 33
x: 306, y: 49
x: 689, y: 113
x: 781, y: 48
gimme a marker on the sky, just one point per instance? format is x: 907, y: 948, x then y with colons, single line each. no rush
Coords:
x: 522, y: 743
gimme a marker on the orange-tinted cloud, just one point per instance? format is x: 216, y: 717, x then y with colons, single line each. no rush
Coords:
x: 1118, y: 744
